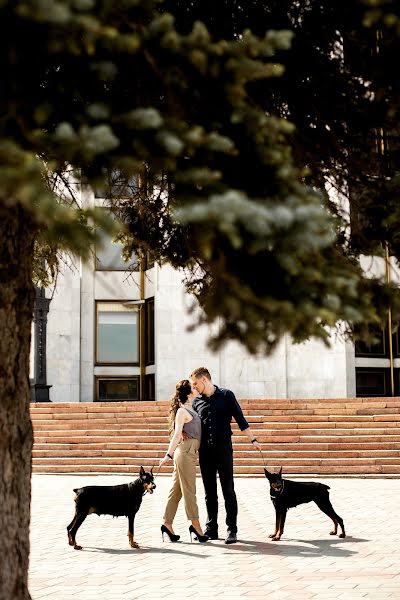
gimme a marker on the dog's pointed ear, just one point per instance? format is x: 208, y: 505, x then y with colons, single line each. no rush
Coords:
x: 280, y: 472
x: 267, y: 473
x: 141, y: 472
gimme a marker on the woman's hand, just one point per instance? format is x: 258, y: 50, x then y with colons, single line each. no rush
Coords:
x: 165, y: 459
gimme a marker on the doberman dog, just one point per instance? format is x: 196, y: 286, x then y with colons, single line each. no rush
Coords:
x: 286, y: 494
x: 115, y: 500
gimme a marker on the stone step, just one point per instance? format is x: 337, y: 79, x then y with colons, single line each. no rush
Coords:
x: 238, y: 454
x: 161, y: 422
x: 283, y: 460
x: 333, y: 437
x: 282, y: 429
x: 360, y: 470
x: 160, y: 446
x: 85, y: 410
x: 244, y: 403
x: 325, y: 437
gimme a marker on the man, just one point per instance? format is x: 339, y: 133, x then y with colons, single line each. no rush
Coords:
x: 216, y: 407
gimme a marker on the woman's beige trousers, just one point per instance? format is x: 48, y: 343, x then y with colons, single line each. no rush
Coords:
x: 184, y: 481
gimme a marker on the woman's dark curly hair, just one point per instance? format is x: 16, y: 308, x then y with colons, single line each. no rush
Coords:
x: 182, y: 391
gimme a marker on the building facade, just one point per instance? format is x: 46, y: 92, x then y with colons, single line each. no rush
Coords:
x: 114, y: 334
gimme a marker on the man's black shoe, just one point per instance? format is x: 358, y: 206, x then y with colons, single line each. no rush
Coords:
x: 212, y: 535
x: 231, y: 539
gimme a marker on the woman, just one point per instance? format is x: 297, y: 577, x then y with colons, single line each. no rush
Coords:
x: 184, y: 454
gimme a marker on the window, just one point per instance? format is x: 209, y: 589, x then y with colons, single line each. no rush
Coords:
x: 118, y: 186
x: 376, y: 381
x: 371, y: 382
x: 378, y: 348
x: 117, y: 327
x: 396, y: 342
x: 117, y: 389
x: 109, y: 255
x: 150, y: 387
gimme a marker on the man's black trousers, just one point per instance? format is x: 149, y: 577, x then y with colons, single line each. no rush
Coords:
x: 218, y: 459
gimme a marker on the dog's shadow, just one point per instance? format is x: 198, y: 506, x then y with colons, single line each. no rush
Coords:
x: 330, y: 547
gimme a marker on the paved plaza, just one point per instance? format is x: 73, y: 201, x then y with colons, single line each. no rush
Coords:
x: 307, y: 563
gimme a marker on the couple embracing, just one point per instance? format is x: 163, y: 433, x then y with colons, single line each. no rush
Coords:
x: 200, y: 418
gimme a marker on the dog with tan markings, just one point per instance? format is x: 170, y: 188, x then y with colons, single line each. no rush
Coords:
x: 115, y: 500
x: 286, y: 494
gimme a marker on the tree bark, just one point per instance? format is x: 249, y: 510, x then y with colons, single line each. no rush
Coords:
x: 16, y: 309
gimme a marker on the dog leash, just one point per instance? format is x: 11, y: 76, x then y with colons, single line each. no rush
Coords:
x: 262, y: 456
x: 265, y: 466
x: 156, y: 475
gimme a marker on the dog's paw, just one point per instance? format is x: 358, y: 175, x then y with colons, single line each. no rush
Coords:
x: 77, y: 547
x: 134, y: 544
x: 272, y: 535
x: 275, y: 538
x: 332, y: 532
x: 342, y: 535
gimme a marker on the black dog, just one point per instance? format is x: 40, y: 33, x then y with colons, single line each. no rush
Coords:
x: 286, y: 494
x: 116, y: 500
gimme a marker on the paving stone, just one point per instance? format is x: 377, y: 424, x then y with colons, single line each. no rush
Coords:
x: 307, y: 564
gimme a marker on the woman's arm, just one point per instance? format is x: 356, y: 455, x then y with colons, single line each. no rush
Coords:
x: 182, y: 417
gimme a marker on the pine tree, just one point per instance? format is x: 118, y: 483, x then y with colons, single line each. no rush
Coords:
x: 220, y: 134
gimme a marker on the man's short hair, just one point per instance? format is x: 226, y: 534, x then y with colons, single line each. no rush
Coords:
x: 200, y: 372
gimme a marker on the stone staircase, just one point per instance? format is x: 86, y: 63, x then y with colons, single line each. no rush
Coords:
x: 358, y: 436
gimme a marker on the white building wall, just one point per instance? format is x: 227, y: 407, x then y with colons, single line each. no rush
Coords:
x: 308, y: 370
x: 87, y: 332
x: 63, y: 335
x: 177, y: 350
x: 316, y: 371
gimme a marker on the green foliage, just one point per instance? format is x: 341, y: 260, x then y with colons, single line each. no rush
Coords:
x: 228, y: 137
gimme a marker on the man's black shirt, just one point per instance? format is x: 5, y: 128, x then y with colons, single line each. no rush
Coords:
x: 216, y: 413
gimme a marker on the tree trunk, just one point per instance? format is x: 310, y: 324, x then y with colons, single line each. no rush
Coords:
x: 16, y: 309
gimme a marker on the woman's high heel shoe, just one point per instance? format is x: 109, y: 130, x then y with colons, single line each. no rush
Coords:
x: 172, y: 536
x: 198, y: 537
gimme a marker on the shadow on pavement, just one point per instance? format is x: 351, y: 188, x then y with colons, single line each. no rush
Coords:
x: 146, y: 550
x: 331, y: 547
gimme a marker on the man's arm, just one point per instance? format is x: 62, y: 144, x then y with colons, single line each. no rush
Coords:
x: 252, y: 438
x: 241, y: 421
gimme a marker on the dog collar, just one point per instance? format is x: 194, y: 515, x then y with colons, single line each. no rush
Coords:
x: 280, y: 491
